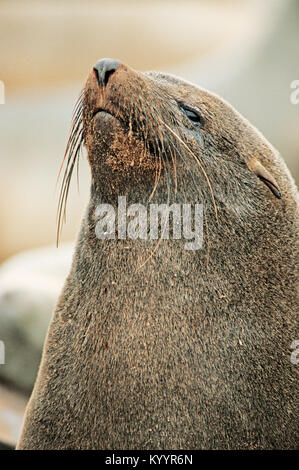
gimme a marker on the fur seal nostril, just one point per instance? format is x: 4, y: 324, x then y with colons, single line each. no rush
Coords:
x: 191, y: 349
x: 104, y: 68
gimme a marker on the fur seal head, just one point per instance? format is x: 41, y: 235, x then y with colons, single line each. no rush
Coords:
x: 140, y: 128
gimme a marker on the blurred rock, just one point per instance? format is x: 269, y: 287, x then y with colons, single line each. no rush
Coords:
x: 30, y: 284
x: 12, y: 407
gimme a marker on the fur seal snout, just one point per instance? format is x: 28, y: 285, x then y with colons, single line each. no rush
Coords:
x: 104, y: 68
x: 192, y: 349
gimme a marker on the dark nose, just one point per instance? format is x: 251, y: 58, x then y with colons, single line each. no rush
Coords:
x: 104, y: 69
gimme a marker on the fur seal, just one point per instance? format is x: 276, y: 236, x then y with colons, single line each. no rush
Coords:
x: 152, y: 346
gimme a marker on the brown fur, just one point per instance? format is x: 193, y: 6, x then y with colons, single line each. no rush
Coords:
x: 190, y: 349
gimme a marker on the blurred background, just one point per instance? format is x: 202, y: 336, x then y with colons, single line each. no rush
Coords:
x: 246, y: 51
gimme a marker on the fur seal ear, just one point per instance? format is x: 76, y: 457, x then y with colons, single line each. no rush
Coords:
x: 260, y: 171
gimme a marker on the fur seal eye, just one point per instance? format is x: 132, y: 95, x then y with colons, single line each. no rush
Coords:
x: 191, y: 113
